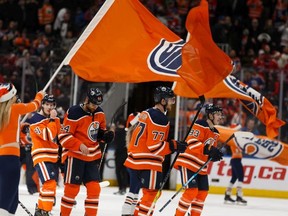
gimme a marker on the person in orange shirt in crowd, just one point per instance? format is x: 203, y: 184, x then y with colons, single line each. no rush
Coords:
x: 10, y: 113
x: 44, y: 129
x: 148, y: 147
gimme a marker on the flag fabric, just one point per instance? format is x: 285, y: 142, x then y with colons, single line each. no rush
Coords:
x: 124, y: 42
x: 252, y: 100
x: 257, y: 146
x: 204, y: 64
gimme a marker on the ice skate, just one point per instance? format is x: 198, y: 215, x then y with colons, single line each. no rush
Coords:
x: 228, y: 199
x: 120, y: 192
x: 241, y: 201
x: 40, y: 212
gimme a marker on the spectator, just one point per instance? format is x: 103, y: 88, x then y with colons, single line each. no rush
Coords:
x: 46, y: 13
x: 251, y: 126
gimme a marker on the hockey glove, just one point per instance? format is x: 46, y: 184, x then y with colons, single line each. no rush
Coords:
x: 213, y: 153
x: 108, y: 136
x: 177, y: 146
x: 25, y: 129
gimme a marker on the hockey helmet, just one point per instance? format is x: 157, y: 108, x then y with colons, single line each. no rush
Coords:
x: 211, y: 108
x: 162, y: 92
x: 95, y: 96
x: 49, y: 99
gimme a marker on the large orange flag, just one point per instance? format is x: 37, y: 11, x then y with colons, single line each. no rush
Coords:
x: 204, y: 64
x: 252, y: 100
x: 257, y: 146
x: 124, y: 42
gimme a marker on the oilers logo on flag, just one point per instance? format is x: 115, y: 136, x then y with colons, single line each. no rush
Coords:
x: 93, y: 131
x: 165, y: 59
x: 259, y: 147
x: 242, y: 89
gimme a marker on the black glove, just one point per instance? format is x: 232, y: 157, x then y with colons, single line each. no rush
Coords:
x: 25, y: 129
x: 177, y: 146
x: 213, y: 153
x: 108, y: 136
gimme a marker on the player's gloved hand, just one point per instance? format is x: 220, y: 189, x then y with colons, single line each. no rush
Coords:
x: 178, y: 146
x: 108, y: 136
x: 213, y: 153
x: 25, y: 129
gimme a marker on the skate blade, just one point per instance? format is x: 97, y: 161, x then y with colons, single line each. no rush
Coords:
x: 241, y: 204
x: 229, y: 202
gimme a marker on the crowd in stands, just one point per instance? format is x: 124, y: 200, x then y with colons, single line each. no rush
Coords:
x: 35, y: 36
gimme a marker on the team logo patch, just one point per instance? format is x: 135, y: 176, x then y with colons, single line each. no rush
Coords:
x: 93, y: 131
x: 165, y: 59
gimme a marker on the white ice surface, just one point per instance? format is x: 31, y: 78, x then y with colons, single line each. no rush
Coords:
x: 110, y: 204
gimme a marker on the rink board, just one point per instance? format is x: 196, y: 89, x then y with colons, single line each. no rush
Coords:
x: 262, y: 178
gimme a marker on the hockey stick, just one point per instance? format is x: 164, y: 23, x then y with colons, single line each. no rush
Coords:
x: 193, y: 176
x: 25, y: 209
x: 202, y: 100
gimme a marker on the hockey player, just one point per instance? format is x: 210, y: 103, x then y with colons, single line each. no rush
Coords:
x: 148, y: 147
x: 44, y: 129
x: 10, y: 113
x: 202, y: 144
x: 237, y: 174
x: 83, y: 128
x: 32, y: 179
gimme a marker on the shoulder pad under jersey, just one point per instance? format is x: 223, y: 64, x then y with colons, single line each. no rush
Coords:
x: 157, y: 116
x: 36, y: 118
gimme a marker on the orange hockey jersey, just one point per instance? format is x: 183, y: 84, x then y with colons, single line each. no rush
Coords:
x: 148, y: 144
x: 82, y: 127
x: 25, y: 138
x: 44, y: 133
x: 10, y: 135
x: 193, y: 158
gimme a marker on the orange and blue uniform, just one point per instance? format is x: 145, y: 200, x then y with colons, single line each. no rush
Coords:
x: 190, y: 162
x: 146, y: 151
x: 81, y: 127
x: 44, y: 132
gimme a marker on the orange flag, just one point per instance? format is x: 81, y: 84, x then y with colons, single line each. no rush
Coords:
x: 257, y: 146
x: 124, y: 42
x: 204, y: 64
x: 252, y: 100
